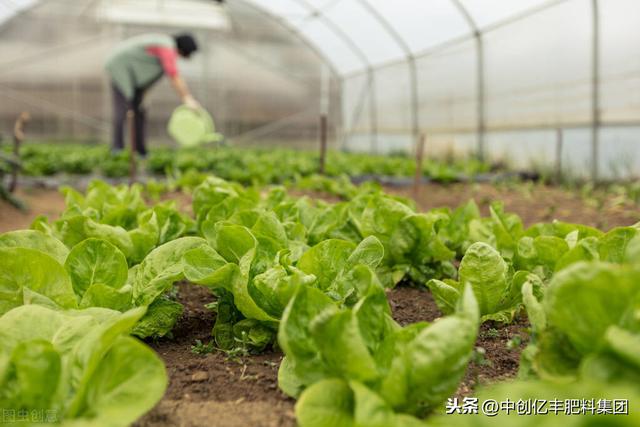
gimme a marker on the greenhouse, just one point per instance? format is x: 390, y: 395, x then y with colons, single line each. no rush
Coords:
x: 319, y: 213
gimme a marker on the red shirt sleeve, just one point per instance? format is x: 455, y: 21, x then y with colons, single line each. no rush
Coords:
x: 168, y: 58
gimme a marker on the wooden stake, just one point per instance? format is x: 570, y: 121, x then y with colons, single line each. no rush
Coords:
x: 417, y: 182
x: 132, y: 147
x: 18, y: 138
x: 323, y: 143
x: 559, y: 141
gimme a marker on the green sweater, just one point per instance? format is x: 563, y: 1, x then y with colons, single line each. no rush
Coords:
x: 132, y: 67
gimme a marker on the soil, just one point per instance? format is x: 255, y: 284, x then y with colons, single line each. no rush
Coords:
x: 38, y: 201
x: 412, y: 305
x: 498, y: 361
x: 215, y: 389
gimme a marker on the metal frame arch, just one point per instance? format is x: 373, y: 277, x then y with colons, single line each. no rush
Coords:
x: 309, y: 44
x: 596, y: 117
x: 297, y: 33
x: 411, y: 61
x: 316, y: 13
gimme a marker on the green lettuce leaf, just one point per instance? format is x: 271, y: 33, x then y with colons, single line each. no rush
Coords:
x: 28, y: 269
x: 96, y: 261
x: 78, y: 364
x: 161, y: 269
x: 585, y: 325
x: 33, y: 239
x: 159, y: 320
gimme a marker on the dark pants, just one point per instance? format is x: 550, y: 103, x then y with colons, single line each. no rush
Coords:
x: 121, y: 105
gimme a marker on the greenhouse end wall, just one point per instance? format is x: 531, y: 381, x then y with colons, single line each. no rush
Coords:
x: 538, y: 94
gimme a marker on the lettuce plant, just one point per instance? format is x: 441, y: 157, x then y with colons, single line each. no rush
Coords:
x: 119, y: 215
x: 77, y: 367
x: 459, y: 232
x: 38, y: 269
x: 496, y: 287
x: 216, y: 199
x: 587, y: 324
x: 254, y: 277
x: 549, y: 248
x: 500, y: 230
x: 355, y: 366
x: 411, y: 241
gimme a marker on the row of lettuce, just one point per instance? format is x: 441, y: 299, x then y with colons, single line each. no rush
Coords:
x: 312, y: 277
x: 246, y: 165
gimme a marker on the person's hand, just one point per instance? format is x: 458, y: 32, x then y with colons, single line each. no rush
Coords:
x: 191, y: 102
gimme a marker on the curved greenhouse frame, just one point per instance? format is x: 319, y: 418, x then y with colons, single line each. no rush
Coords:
x: 320, y: 213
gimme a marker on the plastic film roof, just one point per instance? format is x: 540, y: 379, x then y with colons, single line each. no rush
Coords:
x: 9, y: 8
x: 354, y: 35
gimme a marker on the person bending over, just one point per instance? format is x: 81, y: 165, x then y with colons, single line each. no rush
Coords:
x: 137, y: 64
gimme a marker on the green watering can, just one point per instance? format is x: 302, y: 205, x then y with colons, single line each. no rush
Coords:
x: 189, y: 127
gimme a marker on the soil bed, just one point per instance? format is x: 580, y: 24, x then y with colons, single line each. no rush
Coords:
x: 220, y: 391
x: 215, y: 389
x: 499, y: 362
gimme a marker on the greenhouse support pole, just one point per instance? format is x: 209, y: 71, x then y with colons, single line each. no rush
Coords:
x: 324, y: 112
x: 18, y: 139
x: 415, y: 101
x: 481, y: 95
x: 323, y: 143
x: 373, y: 111
x: 595, y: 90
x: 480, y: 77
x: 417, y: 179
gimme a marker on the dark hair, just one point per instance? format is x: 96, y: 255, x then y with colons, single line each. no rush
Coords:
x: 186, y: 44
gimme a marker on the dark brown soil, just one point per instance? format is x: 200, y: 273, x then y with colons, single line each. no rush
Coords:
x: 411, y: 305
x: 497, y: 357
x: 215, y: 390
x: 497, y: 362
